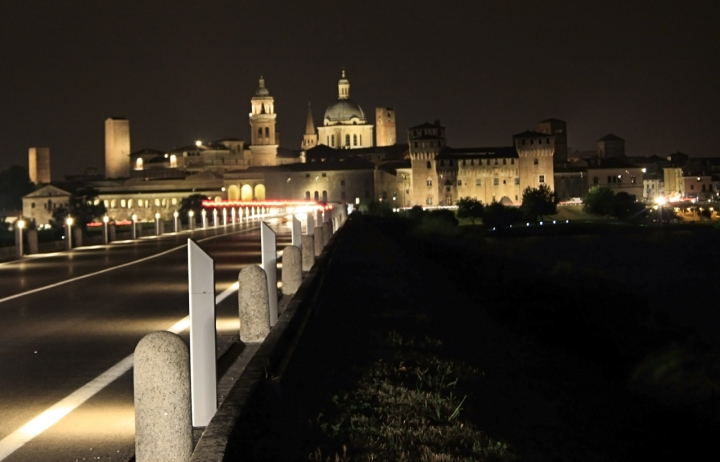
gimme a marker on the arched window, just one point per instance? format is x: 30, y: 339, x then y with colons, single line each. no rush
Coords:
x: 139, y: 164
x: 260, y: 132
x: 347, y: 140
x: 429, y: 164
x: 307, y: 195
x: 267, y: 132
x: 429, y: 181
x: 429, y: 200
x: 535, y: 162
x: 332, y: 141
x: 324, y: 196
x: 173, y: 161
x: 316, y: 196
x: 354, y: 140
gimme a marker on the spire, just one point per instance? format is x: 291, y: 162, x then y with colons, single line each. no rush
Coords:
x: 309, y: 125
x: 343, y: 87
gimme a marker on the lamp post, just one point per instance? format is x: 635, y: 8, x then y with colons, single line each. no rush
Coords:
x: 157, y: 223
x: 660, y: 201
x: 175, y: 221
x: 134, y: 230
x: 106, y: 219
x: 68, y: 230
x: 191, y: 219
x: 19, y: 225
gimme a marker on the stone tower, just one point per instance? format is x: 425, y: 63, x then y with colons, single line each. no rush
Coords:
x: 385, y: 125
x: 535, y: 151
x: 557, y: 128
x: 611, y: 146
x: 424, y: 144
x: 39, y: 165
x: 117, y: 147
x: 264, y: 139
x: 310, y: 138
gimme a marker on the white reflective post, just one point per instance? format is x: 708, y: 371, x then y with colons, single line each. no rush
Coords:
x: 224, y: 217
x: 232, y: 215
x: 204, y: 218
x: 134, y: 230
x: 175, y: 223
x: 296, y: 232
x: 310, y: 225
x: 215, y: 218
x: 203, y: 381
x: 269, y: 264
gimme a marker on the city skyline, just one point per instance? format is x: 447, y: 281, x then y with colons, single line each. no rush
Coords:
x: 486, y: 70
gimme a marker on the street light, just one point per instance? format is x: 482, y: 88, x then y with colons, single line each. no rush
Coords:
x: 19, y: 225
x: 175, y: 216
x: 660, y: 201
x: 157, y: 223
x: 106, y: 219
x: 69, y: 223
x: 134, y: 230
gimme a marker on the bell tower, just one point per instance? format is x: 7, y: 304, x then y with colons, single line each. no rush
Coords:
x: 263, y: 137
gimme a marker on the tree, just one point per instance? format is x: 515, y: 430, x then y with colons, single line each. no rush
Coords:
x: 599, y: 201
x: 470, y: 208
x: 14, y: 184
x: 84, y: 207
x: 538, y: 202
x: 192, y: 202
x: 497, y: 215
x: 625, y: 206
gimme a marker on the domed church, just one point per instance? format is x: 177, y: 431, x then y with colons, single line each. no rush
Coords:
x: 345, y: 125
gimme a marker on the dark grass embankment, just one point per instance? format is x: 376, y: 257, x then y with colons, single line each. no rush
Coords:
x: 432, y: 348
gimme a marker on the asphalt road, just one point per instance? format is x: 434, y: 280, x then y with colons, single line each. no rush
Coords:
x: 55, y: 340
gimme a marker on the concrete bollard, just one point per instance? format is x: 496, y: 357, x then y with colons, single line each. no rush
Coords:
x: 319, y: 240
x: 32, y: 242
x: 253, y: 304
x: 77, y: 237
x: 327, y: 232
x: 163, y: 430
x: 291, y: 269
x: 112, y: 232
x: 308, y: 252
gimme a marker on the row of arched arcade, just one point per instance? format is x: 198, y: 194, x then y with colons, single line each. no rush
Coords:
x: 246, y: 192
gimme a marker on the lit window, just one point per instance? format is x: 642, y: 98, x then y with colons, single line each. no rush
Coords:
x: 173, y: 161
x: 139, y: 164
x: 123, y: 203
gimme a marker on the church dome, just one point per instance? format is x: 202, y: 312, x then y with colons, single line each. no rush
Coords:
x: 344, y: 110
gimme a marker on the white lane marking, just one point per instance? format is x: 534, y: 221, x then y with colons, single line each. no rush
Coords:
x: 52, y: 415
x: 39, y: 289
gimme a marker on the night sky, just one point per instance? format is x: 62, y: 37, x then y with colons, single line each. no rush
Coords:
x: 181, y: 70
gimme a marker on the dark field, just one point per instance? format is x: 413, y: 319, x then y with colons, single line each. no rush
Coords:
x: 593, y: 346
